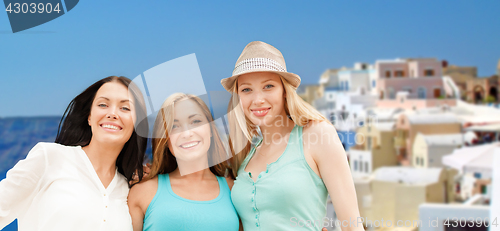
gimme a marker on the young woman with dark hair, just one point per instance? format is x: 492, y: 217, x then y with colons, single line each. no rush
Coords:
x: 81, y: 181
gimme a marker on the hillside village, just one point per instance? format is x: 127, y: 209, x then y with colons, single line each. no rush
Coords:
x: 426, y: 132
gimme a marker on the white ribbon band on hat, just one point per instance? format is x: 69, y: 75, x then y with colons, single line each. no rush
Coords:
x: 257, y: 63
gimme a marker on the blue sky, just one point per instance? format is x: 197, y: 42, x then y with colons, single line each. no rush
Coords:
x: 43, y: 68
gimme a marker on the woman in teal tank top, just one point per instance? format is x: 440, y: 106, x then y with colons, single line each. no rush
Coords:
x: 186, y: 188
x: 282, y: 182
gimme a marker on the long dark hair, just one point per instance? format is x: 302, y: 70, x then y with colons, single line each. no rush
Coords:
x: 74, y: 129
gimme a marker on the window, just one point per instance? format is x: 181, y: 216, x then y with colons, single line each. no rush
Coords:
x: 429, y: 72
x: 355, y: 165
x: 388, y: 74
x: 477, y: 175
x: 332, y: 118
x: 366, y: 166
x: 392, y: 93
x: 437, y: 92
x: 483, y: 189
x: 346, y: 85
x: 369, y: 142
x: 421, y: 93
x: 360, y: 166
x: 374, y: 83
x: 399, y: 74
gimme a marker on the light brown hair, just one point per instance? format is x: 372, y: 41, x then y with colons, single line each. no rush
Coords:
x: 163, y: 160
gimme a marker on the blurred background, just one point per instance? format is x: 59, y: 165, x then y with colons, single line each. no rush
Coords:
x: 411, y: 86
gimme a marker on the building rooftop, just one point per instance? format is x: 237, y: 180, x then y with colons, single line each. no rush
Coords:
x: 473, y: 156
x: 397, y: 60
x: 384, y: 113
x: 444, y: 139
x: 484, y: 128
x: 478, y: 113
x: 408, y: 175
x: 444, y: 118
x: 325, y: 77
x: 385, y: 126
x: 422, y: 59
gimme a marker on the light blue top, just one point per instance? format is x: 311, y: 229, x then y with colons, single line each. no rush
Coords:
x: 168, y: 211
x: 288, y: 195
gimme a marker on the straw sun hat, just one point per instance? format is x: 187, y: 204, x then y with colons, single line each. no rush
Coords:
x: 260, y: 57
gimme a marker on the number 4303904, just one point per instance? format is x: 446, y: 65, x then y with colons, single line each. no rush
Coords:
x: 32, y: 8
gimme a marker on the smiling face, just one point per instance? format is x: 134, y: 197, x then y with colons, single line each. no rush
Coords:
x: 262, y: 97
x: 112, y: 114
x: 189, y: 138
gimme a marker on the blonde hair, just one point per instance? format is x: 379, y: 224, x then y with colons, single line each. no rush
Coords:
x: 242, y: 130
x: 163, y: 160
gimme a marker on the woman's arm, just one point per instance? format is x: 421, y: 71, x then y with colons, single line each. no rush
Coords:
x: 18, y: 188
x: 230, y: 183
x: 135, y: 209
x: 139, y: 198
x: 329, y: 155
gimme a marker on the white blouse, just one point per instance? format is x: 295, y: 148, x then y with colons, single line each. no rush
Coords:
x: 57, y: 188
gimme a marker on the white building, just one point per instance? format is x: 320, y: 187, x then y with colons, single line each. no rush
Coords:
x: 428, y: 150
x: 346, y: 110
x: 362, y: 78
x: 397, y: 192
x: 495, y: 195
x: 361, y: 163
x: 329, y: 79
x: 475, y: 167
x: 435, y: 216
x: 345, y: 94
x: 375, y: 152
x: 474, y: 159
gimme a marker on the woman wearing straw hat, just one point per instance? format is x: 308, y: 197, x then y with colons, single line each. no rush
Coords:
x: 282, y: 182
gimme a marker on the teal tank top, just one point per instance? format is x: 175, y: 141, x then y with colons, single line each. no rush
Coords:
x: 288, y: 195
x: 168, y: 211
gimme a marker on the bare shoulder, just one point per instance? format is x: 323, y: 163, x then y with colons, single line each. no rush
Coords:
x: 318, y: 127
x: 319, y: 136
x: 144, y: 190
x: 230, y: 182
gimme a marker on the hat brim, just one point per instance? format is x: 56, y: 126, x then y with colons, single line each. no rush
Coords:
x: 291, y: 78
